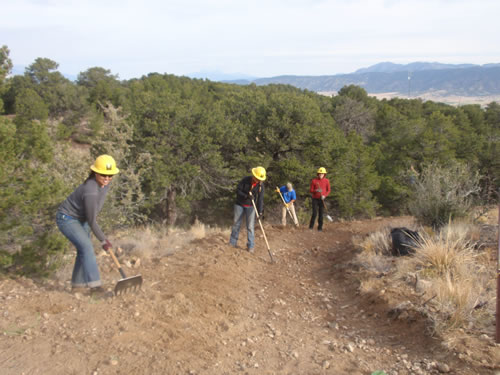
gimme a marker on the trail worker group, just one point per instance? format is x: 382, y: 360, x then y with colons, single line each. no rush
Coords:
x: 77, y: 216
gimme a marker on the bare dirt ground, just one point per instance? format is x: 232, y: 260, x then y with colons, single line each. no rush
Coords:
x: 213, y: 309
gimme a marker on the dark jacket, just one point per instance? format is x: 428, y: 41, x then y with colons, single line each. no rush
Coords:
x: 244, y: 199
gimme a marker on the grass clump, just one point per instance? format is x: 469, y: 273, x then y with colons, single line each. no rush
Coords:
x: 458, y: 274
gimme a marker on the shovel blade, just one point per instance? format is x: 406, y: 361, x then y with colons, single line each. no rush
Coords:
x: 129, y: 284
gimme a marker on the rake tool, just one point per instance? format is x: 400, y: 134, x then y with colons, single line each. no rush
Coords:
x: 262, y: 228
x: 283, y: 199
x: 126, y: 284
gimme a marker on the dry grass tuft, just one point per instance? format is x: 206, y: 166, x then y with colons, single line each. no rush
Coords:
x: 376, y: 248
x: 449, y: 271
x: 458, y: 275
x: 448, y: 252
x: 159, y: 241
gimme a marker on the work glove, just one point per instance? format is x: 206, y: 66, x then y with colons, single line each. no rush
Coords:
x: 261, y: 216
x: 322, y: 197
x: 288, y: 205
x: 278, y: 190
x: 106, y: 245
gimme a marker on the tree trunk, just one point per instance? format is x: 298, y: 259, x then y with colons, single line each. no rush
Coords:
x: 171, y: 207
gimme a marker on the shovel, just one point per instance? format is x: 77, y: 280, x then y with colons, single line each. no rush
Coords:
x: 283, y: 199
x: 126, y: 284
x: 326, y: 211
x: 262, y: 228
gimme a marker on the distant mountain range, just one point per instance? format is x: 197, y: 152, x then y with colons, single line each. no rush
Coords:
x: 417, y: 78
x: 216, y: 75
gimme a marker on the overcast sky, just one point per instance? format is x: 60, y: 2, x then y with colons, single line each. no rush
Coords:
x: 258, y: 37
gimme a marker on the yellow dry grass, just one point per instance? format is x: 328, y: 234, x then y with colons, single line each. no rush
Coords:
x: 158, y: 240
x: 458, y: 274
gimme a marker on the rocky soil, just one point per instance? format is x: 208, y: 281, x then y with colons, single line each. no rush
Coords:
x: 211, y: 309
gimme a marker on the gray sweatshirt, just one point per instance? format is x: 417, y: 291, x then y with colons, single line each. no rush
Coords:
x: 85, y: 203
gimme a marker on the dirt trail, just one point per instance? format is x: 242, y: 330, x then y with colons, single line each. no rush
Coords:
x: 213, y: 309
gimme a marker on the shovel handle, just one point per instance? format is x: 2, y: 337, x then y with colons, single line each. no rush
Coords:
x: 263, y: 232
x: 283, y: 199
x: 115, y: 259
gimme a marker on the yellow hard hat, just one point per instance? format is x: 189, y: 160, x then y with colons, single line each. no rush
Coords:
x: 259, y: 173
x: 105, y: 164
x: 322, y: 170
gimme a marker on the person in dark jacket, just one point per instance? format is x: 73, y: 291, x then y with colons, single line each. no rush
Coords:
x: 77, y: 216
x: 319, y: 189
x: 249, y: 188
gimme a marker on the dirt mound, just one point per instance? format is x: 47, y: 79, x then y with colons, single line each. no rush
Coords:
x: 213, y: 309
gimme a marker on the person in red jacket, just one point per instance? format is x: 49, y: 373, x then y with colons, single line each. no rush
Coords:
x: 320, y: 188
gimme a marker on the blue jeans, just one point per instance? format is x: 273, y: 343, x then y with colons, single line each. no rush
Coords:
x: 85, y: 272
x: 239, y: 212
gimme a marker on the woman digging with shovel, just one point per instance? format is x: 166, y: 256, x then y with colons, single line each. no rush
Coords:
x: 320, y: 188
x: 76, y: 217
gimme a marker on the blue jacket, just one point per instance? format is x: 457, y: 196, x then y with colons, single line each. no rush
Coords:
x: 288, y: 195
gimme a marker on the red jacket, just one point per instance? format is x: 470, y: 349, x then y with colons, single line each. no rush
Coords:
x: 322, y: 184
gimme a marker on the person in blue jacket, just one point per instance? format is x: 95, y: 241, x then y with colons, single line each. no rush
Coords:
x: 289, y: 197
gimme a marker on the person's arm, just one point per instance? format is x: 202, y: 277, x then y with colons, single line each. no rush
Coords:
x: 293, y: 196
x: 90, y: 204
x: 312, y: 189
x: 240, y: 190
x: 327, y: 188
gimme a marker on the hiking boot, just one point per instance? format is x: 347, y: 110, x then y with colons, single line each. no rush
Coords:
x: 78, y: 289
x: 250, y: 250
x: 99, y: 292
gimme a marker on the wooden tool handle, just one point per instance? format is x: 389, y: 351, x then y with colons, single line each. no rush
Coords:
x: 115, y: 259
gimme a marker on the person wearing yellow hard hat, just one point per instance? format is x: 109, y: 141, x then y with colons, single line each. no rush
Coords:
x: 319, y: 189
x: 250, y: 187
x: 77, y: 216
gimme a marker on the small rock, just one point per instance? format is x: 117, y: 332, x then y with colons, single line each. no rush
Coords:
x: 370, y: 342
x: 114, y: 362
x: 45, y: 316
x: 404, y: 315
x: 350, y: 347
x: 295, y: 354
x: 326, y: 365
x: 443, y: 368
x: 422, y: 285
x: 333, y: 325
x: 78, y: 295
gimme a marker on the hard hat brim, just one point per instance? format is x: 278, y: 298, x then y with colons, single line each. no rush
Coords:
x: 105, y: 172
